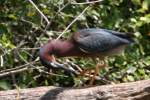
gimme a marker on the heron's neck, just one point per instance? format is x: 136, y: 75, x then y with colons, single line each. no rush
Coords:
x: 64, y: 48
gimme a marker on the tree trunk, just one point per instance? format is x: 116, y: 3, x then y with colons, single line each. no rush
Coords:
x: 139, y: 90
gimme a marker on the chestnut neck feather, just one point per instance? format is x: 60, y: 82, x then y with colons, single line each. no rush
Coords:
x: 59, y: 48
x: 64, y: 48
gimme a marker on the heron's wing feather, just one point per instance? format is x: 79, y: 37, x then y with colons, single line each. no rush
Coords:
x: 128, y: 36
x: 98, y: 41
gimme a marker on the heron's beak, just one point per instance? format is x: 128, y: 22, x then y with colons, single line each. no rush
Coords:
x: 64, y: 67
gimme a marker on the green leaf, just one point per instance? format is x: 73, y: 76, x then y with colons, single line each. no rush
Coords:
x: 141, y: 71
x: 146, y: 18
x: 4, y: 85
x: 145, y: 5
x: 147, y: 61
x: 136, y: 2
x: 12, y: 16
x: 130, y: 78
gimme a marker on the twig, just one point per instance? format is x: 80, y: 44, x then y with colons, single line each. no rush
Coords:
x: 18, y: 92
x: 28, y: 22
x: 42, y: 14
x: 16, y: 68
x: 39, y: 11
x: 33, y: 24
x: 13, y: 72
x: 10, y: 72
x: 57, y: 14
x: 1, y: 61
x: 37, y: 48
x: 61, y: 9
x: 8, y: 51
x: 73, y: 22
x: 16, y: 86
x: 89, y: 2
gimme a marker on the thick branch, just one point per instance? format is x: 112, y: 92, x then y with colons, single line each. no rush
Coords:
x: 139, y: 90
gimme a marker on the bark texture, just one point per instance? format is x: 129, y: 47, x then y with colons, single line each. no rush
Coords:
x: 139, y: 90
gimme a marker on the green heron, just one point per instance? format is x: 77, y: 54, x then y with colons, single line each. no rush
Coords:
x: 94, y: 43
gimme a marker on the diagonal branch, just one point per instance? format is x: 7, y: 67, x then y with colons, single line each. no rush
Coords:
x: 73, y: 21
x: 41, y: 13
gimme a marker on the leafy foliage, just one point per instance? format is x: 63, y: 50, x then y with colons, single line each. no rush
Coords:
x: 22, y: 31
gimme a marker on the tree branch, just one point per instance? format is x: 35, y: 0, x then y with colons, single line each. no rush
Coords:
x: 73, y: 22
x: 139, y: 90
x: 41, y: 13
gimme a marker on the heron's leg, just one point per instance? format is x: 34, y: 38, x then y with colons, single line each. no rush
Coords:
x: 97, y: 70
x: 95, y: 73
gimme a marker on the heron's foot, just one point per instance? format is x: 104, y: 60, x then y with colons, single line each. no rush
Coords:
x: 97, y: 70
x: 92, y: 75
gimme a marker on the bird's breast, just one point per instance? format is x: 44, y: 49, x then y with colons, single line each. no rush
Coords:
x: 116, y: 51
x: 104, y: 54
